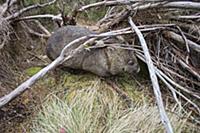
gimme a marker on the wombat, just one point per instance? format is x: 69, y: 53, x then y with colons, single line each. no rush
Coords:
x: 101, y: 61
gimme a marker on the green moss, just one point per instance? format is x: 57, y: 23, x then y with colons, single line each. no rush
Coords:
x: 32, y: 70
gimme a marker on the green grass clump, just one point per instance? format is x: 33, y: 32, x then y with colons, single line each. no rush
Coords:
x: 32, y: 70
x: 97, y: 109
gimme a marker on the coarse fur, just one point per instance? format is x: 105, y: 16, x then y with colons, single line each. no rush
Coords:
x: 104, y: 61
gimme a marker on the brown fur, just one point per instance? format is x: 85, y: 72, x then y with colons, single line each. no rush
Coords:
x: 103, y: 61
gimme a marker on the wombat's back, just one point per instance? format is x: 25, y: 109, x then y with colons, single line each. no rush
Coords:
x: 62, y: 37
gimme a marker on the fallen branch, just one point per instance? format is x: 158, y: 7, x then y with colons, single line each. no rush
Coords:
x: 145, y: 4
x: 183, y: 5
x: 108, y: 3
x: 42, y: 28
x: 165, y: 79
x: 31, y: 31
x: 179, y: 39
x: 26, y: 85
x: 166, y: 4
x: 186, y: 17
x: 154, y: 80
x: 53, y: 17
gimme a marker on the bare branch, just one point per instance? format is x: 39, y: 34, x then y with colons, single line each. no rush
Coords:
x: 186, y: 17
x: 183, y: 5
x: 154, y: 80
x: 178, y: 38
x: 146, y: 4
x: 108, y: 3
x: 31, y: 31
x: 42, y: 28
x: 166, y: 4
x: 3, y: 43
x: 50, y: 16
x: 26, y: 85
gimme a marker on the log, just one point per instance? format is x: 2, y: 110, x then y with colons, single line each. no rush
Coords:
x: 178, y: 38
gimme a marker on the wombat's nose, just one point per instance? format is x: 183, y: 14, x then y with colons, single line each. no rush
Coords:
x: 132, y: 69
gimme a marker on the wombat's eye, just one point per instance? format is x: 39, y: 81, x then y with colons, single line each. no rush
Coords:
x: 130, y: 62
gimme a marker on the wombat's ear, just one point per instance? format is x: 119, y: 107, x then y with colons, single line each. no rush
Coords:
x: 67, y: 18
x: 70, y: 18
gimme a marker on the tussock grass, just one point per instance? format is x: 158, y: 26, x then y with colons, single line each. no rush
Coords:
x: 95, y: 110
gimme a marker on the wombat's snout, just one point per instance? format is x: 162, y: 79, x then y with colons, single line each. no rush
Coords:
x: 132, y: 67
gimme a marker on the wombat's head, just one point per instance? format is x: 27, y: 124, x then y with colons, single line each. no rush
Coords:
x: 123, y: 61
x: 131, y: 64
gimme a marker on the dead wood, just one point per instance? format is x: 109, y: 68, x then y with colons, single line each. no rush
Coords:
x: 180, y: 39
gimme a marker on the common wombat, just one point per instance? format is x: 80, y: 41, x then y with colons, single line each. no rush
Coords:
x: 102, y: 61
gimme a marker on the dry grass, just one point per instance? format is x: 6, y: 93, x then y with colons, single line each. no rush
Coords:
x: 97, y: 109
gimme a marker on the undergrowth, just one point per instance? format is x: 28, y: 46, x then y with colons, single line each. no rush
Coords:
x: 99, y: 109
